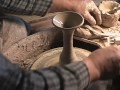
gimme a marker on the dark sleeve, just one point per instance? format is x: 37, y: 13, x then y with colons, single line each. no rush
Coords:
x: 74, y: 76
x: 28, y: 7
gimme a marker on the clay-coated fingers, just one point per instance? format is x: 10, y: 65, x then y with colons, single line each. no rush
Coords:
x: 97, y: 16
x: 89, y: 18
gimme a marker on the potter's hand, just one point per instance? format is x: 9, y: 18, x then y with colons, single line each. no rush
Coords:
x: 84, y: 7
x: 104, y: 63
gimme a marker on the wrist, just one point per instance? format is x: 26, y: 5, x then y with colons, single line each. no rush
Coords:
x: 92, y: 69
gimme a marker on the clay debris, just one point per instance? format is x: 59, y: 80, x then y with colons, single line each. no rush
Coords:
x: 110, y: 11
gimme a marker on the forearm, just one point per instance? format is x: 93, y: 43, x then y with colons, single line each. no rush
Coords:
x: 72, y: 76
x: 28, y: 7
x: 10, y: 75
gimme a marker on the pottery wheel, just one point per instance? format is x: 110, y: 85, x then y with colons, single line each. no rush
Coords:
x: 51, y: 57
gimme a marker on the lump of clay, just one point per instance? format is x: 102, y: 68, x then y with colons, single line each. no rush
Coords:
x: 110, y: 11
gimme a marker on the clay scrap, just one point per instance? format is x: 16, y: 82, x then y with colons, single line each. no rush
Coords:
x: 110, y: 11
x: 106, y: 34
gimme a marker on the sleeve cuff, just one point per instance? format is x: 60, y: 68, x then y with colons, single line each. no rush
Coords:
x: 81, y: 72
x: 41, y: 7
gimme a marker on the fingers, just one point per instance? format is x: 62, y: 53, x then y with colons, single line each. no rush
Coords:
x: 92, y: 14
x: 96, y: 13
x: 89, y: 18
x: 97, y: 16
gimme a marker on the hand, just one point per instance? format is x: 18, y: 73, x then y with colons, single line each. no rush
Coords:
x: 103, y: 63
x: 84, y: 7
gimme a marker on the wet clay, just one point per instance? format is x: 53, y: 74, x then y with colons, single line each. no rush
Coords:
x: 110, y: 11
x: 68, y: 22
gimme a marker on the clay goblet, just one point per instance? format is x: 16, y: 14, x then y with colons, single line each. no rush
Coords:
x: 68, y: 21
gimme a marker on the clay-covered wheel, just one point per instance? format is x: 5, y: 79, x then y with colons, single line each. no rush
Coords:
x: 51, y: 57
x: 25, y: 51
